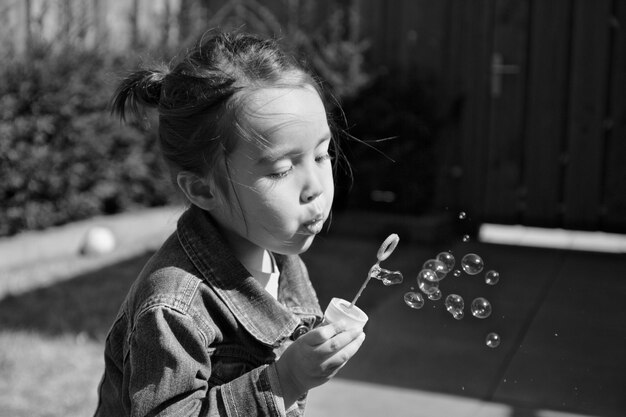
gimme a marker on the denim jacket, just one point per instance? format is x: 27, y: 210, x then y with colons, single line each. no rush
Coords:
x: 197, y: 335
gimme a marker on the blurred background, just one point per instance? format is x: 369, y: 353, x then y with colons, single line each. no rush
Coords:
x: 510, y: 111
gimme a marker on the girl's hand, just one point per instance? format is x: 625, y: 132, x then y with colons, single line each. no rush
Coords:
x: 316, y: 357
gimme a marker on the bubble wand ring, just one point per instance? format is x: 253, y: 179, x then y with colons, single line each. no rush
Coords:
x: 385, y: 250
x: 387, y: 247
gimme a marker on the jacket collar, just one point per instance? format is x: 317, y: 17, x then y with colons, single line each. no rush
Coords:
x: 268, y: 320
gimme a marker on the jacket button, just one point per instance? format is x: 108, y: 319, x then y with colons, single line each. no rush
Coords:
x: 300, y: 330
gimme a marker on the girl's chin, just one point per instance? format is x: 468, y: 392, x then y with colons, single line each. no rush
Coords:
x: 297, y: 246
x: 307, y: 245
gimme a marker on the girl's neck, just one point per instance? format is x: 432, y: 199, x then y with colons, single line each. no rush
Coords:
x: 251, y: 256
x: 260, y: 264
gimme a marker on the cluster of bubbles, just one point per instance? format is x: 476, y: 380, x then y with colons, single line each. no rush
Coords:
x: 435, y: 270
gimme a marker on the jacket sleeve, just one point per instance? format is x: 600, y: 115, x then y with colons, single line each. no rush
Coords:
x: 168, y: 369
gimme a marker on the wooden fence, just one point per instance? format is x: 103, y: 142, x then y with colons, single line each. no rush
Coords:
x: 537, y: 89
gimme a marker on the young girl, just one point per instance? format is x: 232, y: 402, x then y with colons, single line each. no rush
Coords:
x: 223, y: 319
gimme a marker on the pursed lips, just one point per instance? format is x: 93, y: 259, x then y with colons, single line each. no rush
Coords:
x: 315, y: 225
x: 317, y: 219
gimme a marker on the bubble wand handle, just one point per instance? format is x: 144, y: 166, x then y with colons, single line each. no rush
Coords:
x: 387, y: 247
x: 370, y: 274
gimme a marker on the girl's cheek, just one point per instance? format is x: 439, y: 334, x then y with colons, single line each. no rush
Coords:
x: 330, y: 183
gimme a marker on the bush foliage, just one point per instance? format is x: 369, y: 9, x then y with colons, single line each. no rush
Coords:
x: 63, y: 157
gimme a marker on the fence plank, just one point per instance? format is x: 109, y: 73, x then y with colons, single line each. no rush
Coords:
x: 449, y: 138
x: 504, y: 164
x: 586, y: 113
x: 374, y: 24
x: 447, y: 74
x: 614, y: 218
x: 475, y: 20
x: 547, y: 95
x: 424, y: 33
x: 393, y: 13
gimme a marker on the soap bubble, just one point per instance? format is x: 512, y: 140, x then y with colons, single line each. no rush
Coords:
x: 456, y: 273
x: 466, y: 238
x: 391, y: 277
x: 455, y: 305
x: 427, y: 281
x: 472, y: 264
x: 454, y: 301
x: 457, y: 314
x: 438, y: 267
x: 481, y: 308
x: 414, y: 300
x: 448, y: 259
x: 492, y: 277
x: 428, y: 287
x: 435, y: 295
x: 386, y: 276
x: 492, y: 340
x: 462, y: 215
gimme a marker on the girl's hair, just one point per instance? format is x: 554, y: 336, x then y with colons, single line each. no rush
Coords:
x: 199, y: 100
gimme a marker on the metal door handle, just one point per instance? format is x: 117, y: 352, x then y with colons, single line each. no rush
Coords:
x: 498, y: 69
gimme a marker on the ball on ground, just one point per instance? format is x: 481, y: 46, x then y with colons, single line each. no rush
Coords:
x: 98, y: 240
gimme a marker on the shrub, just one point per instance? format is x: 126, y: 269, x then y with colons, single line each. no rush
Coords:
x: 62, y: 156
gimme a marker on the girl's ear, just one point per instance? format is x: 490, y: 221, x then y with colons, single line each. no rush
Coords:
x: 200, y: 191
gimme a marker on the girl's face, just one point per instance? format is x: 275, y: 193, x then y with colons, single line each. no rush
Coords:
x: 282, y: 189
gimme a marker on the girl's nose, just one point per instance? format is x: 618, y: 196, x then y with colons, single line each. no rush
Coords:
x: 313, y: 188
x: 308, y: 197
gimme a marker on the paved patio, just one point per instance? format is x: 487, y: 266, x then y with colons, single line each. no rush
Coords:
x: 561, y: 315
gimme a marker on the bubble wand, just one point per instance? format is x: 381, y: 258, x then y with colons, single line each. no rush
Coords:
x: 386, y: 276
x: 342, y: 311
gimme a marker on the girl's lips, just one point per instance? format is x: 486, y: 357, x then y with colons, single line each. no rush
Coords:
x: 315, y: 226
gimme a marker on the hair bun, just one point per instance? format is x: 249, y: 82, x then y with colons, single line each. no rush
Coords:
x: 141, y: 87
x: 149, y: 86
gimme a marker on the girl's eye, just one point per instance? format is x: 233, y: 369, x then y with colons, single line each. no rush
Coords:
x: 283, y: 172
x: 323, y: 157
x: 280, y: 174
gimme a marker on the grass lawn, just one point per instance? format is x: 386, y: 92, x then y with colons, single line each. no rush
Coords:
x: 44, y: 375
x: 51, y: 340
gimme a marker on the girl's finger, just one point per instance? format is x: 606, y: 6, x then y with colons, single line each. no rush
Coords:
x: 337, y: 360
x: 322, y: 334
x: 339, y: 342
